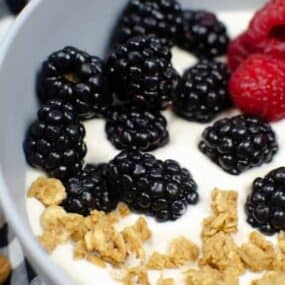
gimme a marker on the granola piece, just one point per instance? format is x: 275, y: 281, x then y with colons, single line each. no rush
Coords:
x: 167, y: 281
x: 225, y: 218
x: 258, y: 254
x: 81, y: 252
x: 210, y: 276
x: 181, y: 252
x: 220, y: 252
x: 123, y: 210
x: 49, y: 191
x: 281, y: 242
x: 5, y: 269
x: 136, y: 275
x: 59, y: 227
x: 271, y: 278
x: 134, y: 237
x: 108, y: 243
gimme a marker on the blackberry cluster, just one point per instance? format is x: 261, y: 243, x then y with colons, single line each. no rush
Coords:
x: 239, y: 143
x: 130, y: 127
x: 203, y: 34
x: 54, y: 142
x: 140, y: 73
x: 203, y: 91
x: 161, y: 18
x: 90, y: 191
x: 161, y: 189
x: 76, y: 77
x: 266, y: 204
x: 16, y: 6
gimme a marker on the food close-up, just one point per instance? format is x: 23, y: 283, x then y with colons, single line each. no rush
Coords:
x: 162, y: 160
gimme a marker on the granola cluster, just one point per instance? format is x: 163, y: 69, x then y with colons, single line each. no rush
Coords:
x: 220, y: 261
x: 5, y: 269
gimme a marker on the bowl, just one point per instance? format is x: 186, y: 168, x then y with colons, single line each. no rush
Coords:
x: 43, y: 27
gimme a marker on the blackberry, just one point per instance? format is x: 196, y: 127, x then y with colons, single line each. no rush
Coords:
x: 161, y: 189
x: 78, y: 78
x: 161, y: 18
x: 89, y: 191
x: 16, y: 6
x: 140, y: 73
x: 54, y: 142
x: 203, y: 34
x: 265, y: 206
x: 130, y: 127
x: 203, y: 91
x: 239, y: 143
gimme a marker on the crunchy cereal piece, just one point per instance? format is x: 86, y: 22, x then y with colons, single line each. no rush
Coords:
x: 181, y: 252
x: 258, y: 254
x: 134, y: 237
x: 271, y: 278
x: 5, y: 269
x: 137, y: 275
x: 49, y: 191
x: 123, y: 210
x: 210, y: 276
x: 106, y: 242
x: 279, y: 262
x: 60, y: 226
x: 81, y: 252
x: 220, y: 252
x: 225, y: 218
x: 281, y: 242
x: 167, y: 281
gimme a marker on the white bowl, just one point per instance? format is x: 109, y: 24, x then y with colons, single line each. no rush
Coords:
x: 43, y: 27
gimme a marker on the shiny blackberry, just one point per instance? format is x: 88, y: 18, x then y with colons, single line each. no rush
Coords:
x: 203, y: 91
x: 141, y: 73
x: 161, y: 189
x: 239, y: 143
x: 16, y: 6
x: 90, y: 191
x: 133, y: 128
x: 203, y: 34
x: 78, y: 78
x: 161, y: 18
x: 55, y: 141
x: 265, y: 205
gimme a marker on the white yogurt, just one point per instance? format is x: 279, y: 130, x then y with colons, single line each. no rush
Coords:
x: 184, y: 138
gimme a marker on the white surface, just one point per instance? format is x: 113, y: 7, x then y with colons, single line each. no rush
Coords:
x: 183, y: 148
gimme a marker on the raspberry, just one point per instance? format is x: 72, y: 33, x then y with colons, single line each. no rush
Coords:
x: 238, y: 51
x: 242, y: 47
x: 269, y: 22
x: 258, y: 87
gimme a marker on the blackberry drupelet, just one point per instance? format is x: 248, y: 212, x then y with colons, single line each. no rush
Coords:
x: 239, y: 143
x: 161, y: 189
x: 141, y: 73
x: 265, y: 206
x: 203, y: 91
x: 203, y: 34
x: 76, y: 77
x: 16, y: 6
x: 54, y: 142
x: 161, y: 18
x: 90, y: 191
x: 132, y: 128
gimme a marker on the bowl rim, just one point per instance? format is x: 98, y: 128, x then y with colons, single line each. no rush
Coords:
x: 31, y: 246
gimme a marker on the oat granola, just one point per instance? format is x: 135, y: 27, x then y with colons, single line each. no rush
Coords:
x: 258, y: 254
x: 5, y: 269
x: 224, y: 218
x: 271, y: 278
x: 49, y: 191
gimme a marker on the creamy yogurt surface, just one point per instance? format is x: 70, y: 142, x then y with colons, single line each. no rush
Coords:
x: 183, y: 147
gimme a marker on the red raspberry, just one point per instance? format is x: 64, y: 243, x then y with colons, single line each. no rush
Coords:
x: 269, y: 22
x: 238, y: 51
x: 258, y: 87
